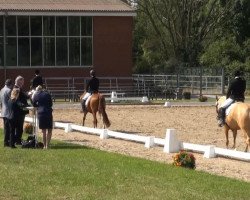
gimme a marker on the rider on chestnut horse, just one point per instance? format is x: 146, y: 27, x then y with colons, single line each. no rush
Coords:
x: 235, y: 92
x: 91, y: 87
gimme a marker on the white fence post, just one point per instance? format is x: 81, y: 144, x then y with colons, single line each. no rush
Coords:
x: 114, y: 97
x: 68, y: 128
x: 209, y: 152
x: 104, y: 134
x: 149, y: 142
x: 172, y: 145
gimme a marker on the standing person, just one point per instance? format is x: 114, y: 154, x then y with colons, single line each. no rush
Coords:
x: 43, y: 101
x: 5, y: 96
x: 91, y: 87
x: 235, y: 92
x: 16, y: 109
x: 23, y: 97
x: 37, y: 80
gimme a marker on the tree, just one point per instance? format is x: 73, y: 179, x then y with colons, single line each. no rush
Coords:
x: 183, y: 27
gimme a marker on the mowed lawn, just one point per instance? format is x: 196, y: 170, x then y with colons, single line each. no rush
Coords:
x: 69, y: 171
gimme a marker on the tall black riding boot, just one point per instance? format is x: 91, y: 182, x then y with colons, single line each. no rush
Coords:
x: 221, y: 117
x: 83, y: 105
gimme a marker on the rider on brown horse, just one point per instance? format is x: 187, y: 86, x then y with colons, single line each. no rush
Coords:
x: 235, y: 92
x: 91, y: 87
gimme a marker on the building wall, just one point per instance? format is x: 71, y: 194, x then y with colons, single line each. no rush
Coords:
x: 113, y: 45
x: 112, y: 53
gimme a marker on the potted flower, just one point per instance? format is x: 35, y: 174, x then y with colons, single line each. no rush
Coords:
x: 202, y: 98
x: 184, y: 159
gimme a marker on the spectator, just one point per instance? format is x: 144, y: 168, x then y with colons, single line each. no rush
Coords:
x: 16, y: 109
x: 43, y: 101
x: 22, y: 98
x: 37, y: 80
x: 5, y: 96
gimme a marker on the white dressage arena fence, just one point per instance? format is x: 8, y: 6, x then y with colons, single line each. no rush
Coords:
x: 170, y: 143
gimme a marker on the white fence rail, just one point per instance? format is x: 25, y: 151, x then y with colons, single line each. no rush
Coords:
x: 170, y: 143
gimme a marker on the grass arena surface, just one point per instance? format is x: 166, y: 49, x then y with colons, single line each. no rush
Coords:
x: 193, y: 124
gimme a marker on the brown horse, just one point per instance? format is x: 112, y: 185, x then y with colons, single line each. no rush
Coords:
x: 237, y: 119
x: 96, y: 104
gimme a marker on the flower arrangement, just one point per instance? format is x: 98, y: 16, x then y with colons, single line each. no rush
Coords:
x: 28, y: 128
x: 202, y: 98
x: 184, y: 159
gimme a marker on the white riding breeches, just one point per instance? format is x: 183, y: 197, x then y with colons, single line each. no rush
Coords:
x: 227, y: 103
x: 86, y: 96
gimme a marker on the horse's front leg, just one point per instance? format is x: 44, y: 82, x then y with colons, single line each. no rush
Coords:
x: 234, y: 136
x: 226, y: 129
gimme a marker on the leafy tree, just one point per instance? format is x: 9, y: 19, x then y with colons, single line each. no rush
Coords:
x: 180, y: 29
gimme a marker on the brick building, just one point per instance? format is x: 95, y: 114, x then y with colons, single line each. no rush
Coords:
x: 64, y: 38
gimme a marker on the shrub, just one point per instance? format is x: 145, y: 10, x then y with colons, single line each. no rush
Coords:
x: 28, y: 128
x: 202, y: 98
x: 184, y: 159
x: 187, y: 95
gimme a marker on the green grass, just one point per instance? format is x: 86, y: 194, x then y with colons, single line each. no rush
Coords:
x: 69, y: 171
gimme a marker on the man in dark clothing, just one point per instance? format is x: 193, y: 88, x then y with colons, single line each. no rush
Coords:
x: 91, y: 87
x: 23, y: 97
x: 37, y: 80
x: 235, y: 92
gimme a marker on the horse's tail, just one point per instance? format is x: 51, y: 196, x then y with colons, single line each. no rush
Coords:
x: 101, y: 110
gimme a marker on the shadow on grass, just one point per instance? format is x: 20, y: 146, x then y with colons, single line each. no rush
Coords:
x: 68, y: 146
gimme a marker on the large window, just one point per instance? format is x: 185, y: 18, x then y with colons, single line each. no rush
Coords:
x: 46, y: 41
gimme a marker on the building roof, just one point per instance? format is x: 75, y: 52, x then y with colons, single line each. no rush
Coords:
x: 65, y: 6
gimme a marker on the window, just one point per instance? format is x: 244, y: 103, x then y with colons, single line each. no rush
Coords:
x: 1, y: 26
x: 10, y: 26
x: 23, y: 25
x: 74, y: 51
x: 86, y: 26
x: 36, y: 26
x: 86, y: 51
x: 49, y: 51
x: 23, y: 52
x: 11, y: 49
x: 47, y: 41
x: 61, y: 51
x: 74, y: 26
x: 49, y: 26
x: 61, y: 26
x: 36, y: 52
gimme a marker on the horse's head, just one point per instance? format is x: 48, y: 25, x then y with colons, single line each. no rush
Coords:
x: 219, y: 101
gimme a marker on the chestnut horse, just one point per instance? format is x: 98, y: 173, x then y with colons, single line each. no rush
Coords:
x: 96, y: 104
x: 237, y: 119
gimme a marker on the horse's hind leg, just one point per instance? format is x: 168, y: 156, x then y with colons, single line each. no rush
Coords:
x: 226, y: 133
x: 234, y: 136
x: 95, y: 120
x: 247, y: 136
x: 84, y: 117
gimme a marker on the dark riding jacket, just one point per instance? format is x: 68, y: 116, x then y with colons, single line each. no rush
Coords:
x: 237, y: 89
x: 92, y: 85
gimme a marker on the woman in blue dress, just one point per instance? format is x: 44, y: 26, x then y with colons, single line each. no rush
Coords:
x: 43, y: 101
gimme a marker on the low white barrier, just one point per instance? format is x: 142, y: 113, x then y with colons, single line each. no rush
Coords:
x: 171, y: 143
